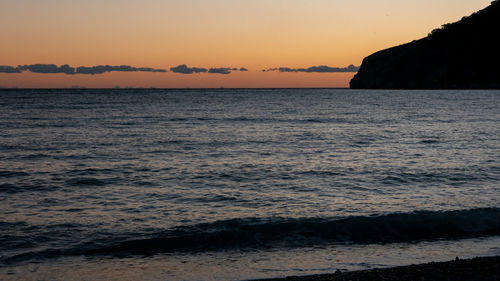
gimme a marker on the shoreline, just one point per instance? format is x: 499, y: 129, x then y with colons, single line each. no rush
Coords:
x: 476, y: 269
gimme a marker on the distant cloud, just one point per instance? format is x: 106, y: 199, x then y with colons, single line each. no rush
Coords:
x: 9, y: 69
x: 48, y: 68
x: 221, y: 70
x: 66, y: 69
x: 318, y: 69
x: 100, y: 69
x: 184, y: 69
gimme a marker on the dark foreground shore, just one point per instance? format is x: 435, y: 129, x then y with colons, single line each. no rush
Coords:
x: 478, y: 269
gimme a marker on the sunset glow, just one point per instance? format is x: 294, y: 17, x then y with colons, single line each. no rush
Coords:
x: 255, y: 34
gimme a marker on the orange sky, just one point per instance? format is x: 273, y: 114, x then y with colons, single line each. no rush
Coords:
x: 255, y: 34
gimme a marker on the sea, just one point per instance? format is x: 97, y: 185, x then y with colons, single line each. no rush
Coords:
x: 241, y: 184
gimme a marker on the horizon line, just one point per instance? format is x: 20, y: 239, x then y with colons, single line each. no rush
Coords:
x: 173, y: 88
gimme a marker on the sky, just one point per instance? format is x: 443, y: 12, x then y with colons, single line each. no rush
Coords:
x: 222, y: 35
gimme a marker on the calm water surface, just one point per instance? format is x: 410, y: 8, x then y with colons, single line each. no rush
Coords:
x: 156, y: 183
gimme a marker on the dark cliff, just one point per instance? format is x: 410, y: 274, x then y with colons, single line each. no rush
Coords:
x: 461, y: 55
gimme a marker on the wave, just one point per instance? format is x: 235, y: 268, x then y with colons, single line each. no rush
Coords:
x: 258, y: 233
x: 9, y: 188
x: 245, y: 119
x: 12, y: 188
x: 86, y: 181
x: 255, y: 234
x: 12, y: 174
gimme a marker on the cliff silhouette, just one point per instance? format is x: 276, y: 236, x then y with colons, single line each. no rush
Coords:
x: 460, y: 55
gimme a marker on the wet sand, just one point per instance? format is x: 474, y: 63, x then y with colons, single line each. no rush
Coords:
x: 477, y: 269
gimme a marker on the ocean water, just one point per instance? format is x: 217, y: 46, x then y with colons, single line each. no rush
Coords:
x: 228, y: 184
